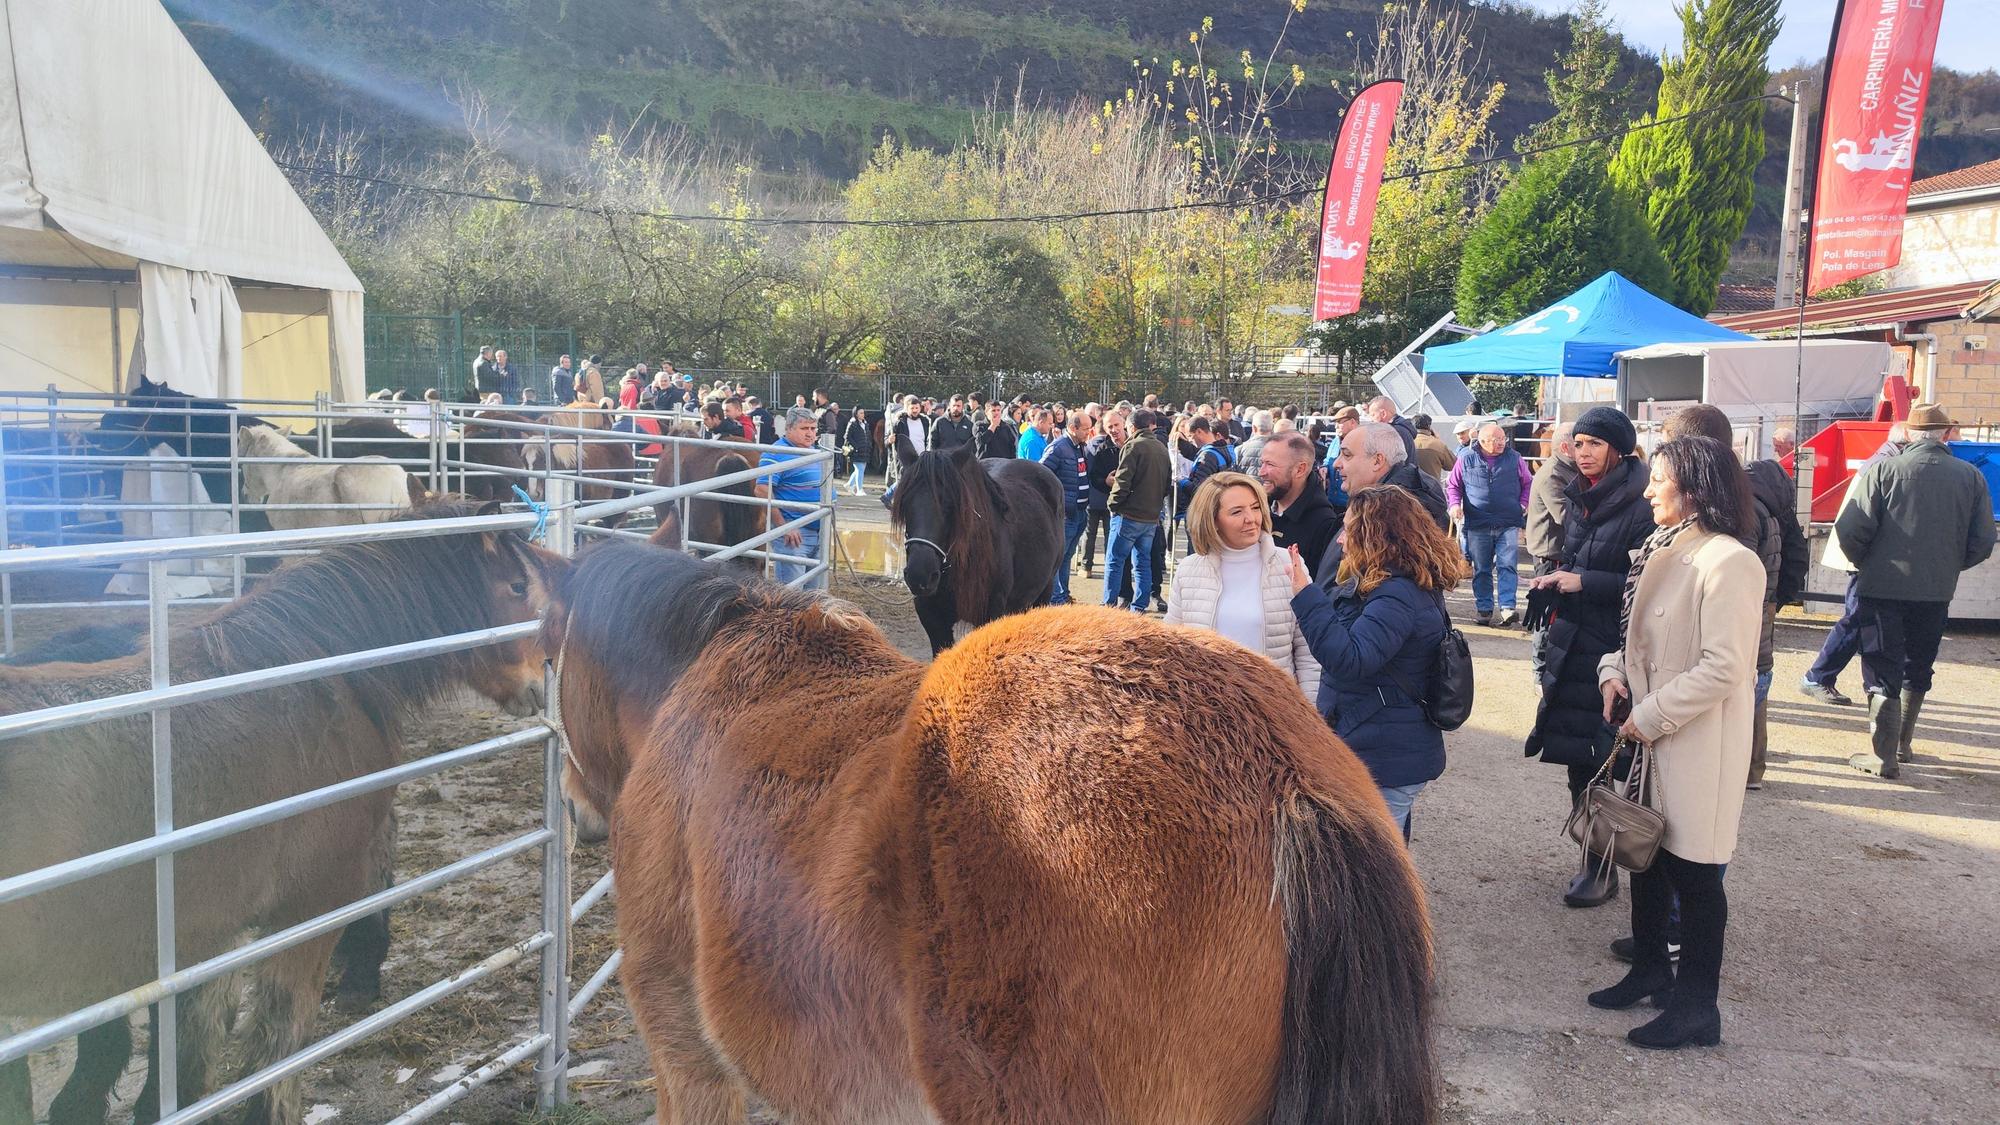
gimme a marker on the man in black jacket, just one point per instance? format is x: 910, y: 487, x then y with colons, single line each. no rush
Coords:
x: 998, y: 438
x: 1608, y: 518
x: 1301, y: 516
x: 952, y: 428
x: 1102, y: 453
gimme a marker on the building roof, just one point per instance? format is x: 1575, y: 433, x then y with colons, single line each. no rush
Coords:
x: 1897, y: 306
x: 1734, y: 297
x: 1973, y: 179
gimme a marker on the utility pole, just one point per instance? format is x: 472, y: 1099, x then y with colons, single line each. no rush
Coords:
x: 1796, y: 161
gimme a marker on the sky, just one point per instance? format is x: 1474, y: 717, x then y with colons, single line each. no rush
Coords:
x: 1968, y: 39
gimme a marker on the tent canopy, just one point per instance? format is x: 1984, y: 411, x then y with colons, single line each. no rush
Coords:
x: 127, y: 179
x: 1577, y: 335
x: 1759, y: 376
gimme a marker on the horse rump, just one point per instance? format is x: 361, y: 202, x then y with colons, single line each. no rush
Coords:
x: 1359, y: 976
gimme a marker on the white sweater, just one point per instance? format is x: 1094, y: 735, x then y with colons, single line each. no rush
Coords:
x: 1196, y: 596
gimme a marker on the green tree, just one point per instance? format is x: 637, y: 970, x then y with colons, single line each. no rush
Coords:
x: 1696, y: 177
x: 1558, y: 225
x: 1583, y: 87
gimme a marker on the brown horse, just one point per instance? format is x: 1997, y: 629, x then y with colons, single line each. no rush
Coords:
x: 608, y: 459
x: 720, y: 522
x: 80, y: 790
x: 1041, y: 879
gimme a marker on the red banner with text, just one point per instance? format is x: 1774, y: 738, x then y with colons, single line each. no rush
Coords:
x: 1878, y: 79
x: 1348, y: 214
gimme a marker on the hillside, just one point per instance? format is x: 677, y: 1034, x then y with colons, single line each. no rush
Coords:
x: 801, y: 85
x: 808, y: 87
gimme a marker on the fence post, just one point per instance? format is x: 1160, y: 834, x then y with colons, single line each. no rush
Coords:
x: 552, y: 1069
x: 166, y: 1068
x: 457, y: 371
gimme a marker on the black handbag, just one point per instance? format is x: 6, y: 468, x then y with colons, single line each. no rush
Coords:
x: 1447, y: 695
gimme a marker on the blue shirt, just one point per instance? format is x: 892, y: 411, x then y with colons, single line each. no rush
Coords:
x: 1032, y: 445
x: 800, y: 483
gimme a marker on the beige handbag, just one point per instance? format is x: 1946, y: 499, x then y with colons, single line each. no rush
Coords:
x: 1615, y: 820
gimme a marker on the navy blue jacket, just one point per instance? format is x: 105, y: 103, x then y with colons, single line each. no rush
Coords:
x: 1358, y: 641
x: 1071, y: 469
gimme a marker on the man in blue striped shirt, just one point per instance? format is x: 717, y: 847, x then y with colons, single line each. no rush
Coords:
x: 798, y: 483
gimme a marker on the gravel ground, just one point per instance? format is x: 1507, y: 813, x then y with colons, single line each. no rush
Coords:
x: 1859, y: 984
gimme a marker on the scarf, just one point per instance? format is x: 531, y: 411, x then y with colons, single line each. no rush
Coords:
x: 1658, y: 540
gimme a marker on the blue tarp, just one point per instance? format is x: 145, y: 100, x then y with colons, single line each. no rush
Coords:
x: 1577, y: 335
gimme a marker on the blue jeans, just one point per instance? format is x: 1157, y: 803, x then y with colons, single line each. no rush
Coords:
x: 1400, y: 798
x: 808, y: 546
x: 854, y: 482
x: 1493, y: 549
x: 1842, y: 641
x: 1072, y: 531
x: 1130, y: 540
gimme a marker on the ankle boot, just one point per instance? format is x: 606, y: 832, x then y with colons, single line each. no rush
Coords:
x: 1651, y: 982
x: 1595, y: 885
x: 1885, y: 730
x: 1682, y: 1024
x: 1913, y: 704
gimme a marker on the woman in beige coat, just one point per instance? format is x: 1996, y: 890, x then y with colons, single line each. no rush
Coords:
x: 1693, y: 608
x: 1238, y: 582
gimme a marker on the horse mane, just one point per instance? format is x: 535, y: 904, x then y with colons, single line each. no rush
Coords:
x: 361, y: 596
x: 959, y: 487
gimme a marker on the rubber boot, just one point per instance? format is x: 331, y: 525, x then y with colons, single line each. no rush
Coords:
x: 1913, y: 704
x: 1885, y: 730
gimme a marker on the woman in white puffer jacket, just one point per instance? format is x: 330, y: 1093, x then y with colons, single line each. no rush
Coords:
x: 1238, y: 582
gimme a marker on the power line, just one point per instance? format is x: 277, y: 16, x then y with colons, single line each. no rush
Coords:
x: 980, y: 220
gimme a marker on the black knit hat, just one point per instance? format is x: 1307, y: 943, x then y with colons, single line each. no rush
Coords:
x: 1609, y: 425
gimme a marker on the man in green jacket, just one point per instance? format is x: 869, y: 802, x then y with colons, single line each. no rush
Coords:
x: 1914, y: 522
x: 1138, y: 490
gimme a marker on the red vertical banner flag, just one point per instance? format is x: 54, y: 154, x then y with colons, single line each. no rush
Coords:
x: 1348, y: 214
x: 1878, y: 79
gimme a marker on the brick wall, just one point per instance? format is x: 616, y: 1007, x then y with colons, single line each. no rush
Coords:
x: 1967, y: 381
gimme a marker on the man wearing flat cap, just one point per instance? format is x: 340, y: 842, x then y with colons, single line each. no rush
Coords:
x: 800, y: 484
x: 1912, y: 524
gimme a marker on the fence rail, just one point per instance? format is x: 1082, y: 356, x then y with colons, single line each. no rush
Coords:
x: 564, y: 521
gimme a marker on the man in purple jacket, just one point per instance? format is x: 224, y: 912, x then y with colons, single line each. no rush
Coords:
x: 1488, y: 492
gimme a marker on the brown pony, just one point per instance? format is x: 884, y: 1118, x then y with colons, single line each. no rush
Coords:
x: 1042, y: 879
x: 707, y: 521
x: 80, y: 790
x: 609, y: 460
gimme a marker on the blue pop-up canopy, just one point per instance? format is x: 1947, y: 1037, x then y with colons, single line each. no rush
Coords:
x: 1577, y: 335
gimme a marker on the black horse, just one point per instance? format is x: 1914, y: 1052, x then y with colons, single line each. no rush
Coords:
x: 982, y: 538
x: 156, y: 414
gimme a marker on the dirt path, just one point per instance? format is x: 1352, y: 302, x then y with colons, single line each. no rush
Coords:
x: 1859, y: 984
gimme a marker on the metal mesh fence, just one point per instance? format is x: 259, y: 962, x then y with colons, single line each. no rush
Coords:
x: 415, y: 353
x: 871, y: 390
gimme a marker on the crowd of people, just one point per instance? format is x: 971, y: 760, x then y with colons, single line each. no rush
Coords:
x: 1654, y: 582
x: 1328, y: 544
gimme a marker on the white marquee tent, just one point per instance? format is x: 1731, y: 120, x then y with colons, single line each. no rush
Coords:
x: 1754, y: 381
x: 132, y: 194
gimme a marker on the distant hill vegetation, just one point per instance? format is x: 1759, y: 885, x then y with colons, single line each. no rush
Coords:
x: 809, y: 87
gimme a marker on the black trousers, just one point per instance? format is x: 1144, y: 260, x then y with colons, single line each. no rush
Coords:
x: 1704, y: 911
x: 1899, y: 643
x: 1099, y: 518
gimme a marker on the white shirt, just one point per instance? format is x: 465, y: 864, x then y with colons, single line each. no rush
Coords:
x: 920, y: 433
x: 1239, y: 612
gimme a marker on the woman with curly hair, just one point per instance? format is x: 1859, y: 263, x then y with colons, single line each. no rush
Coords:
x: 1375, y: 634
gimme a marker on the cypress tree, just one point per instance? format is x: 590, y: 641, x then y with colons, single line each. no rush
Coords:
x: 1558, y: 225
x: 1695, y: 178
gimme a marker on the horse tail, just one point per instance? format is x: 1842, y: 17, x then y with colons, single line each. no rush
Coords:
x: 1359, y: 973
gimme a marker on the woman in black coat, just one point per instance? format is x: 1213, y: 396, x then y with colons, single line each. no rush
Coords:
x: 1608, y: 519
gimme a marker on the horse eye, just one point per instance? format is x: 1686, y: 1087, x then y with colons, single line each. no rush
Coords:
x: 520, y: 589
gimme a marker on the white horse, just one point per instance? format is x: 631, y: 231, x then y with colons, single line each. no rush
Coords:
x: 362, y: 480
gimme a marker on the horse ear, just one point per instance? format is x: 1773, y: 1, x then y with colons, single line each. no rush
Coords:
x: 490, y: 508
x: 963, y: 454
